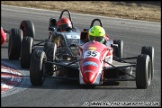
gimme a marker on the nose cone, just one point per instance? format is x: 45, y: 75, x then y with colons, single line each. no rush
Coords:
x: 89, y: 77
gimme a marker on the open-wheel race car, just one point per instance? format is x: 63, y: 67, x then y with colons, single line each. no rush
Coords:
x: 25, y: 40
x: 61, y: 23
x: 93, y: 63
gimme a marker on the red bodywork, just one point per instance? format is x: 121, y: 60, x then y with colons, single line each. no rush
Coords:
x: 92, y: 55
x: 3, y: 36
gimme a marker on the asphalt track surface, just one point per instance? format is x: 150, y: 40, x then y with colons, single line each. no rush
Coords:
x: 56, y: 92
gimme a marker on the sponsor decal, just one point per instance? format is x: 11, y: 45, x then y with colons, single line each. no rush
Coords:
x: 92, y: 48
x: 90, y: 63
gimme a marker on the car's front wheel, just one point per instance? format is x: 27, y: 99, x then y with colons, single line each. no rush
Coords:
x: 148, y: 50
x: 37, y: 65
x: 143, y: 71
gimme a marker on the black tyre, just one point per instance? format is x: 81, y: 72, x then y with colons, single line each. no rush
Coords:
x: 149, y: 51
x: 50, y: 50
x: 26, y: 51
x: 36, y: 67
x: 143, y: 71
x: 118, y: 51
x: 14, y: 46
x: 28, y: 28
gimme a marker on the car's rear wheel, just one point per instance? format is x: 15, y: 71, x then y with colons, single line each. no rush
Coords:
x: 143, y: 71
x: 50, y: 50
x: 118, y: 51
x: 28, y: 28
x: 14, y: 46
x: 37, y: 63
x: 26, y: 51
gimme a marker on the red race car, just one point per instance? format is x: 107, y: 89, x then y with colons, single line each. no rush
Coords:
x: 95, y: 63
x: 3, y: 36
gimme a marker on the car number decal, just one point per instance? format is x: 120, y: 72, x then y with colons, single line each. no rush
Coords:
x: 73, y: 36
x: 91, y: 53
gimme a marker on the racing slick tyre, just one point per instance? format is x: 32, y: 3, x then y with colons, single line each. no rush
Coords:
x: 143, y: 71
x: 26, y: 51
x: 50, y: 50
x: 148, y: 50
x: 37, y: 67
x: 14, y: 45
x: 118, y: 51
x: 28, y: 28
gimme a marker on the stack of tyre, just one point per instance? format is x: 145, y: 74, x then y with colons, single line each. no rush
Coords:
x: 21, y: 42
x: 21, y: 46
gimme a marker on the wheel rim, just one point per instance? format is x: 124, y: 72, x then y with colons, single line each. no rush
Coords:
x: 149, y: 73
x: 43, y: 70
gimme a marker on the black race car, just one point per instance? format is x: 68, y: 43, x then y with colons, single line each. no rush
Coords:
x: 26, y: 45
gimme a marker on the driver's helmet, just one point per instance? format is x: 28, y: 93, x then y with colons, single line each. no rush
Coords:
x: 97, y: 33
x: 64, y: 24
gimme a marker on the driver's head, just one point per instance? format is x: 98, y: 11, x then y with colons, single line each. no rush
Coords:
x: 96, y: 33
x: 64, y: 24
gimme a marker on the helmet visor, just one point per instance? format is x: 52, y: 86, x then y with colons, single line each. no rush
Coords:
x: 99, y: 38
x: 65, y: 27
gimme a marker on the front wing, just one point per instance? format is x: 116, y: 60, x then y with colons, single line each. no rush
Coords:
x: 74, y: 65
